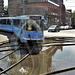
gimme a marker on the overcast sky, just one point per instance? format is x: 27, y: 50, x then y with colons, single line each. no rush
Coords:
x: 70, y: 4
x: 5, y: 2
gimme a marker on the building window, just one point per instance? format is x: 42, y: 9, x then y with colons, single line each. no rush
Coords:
x: 26, y: 1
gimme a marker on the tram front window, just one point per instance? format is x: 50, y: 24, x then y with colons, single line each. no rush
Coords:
x: 34, y: 25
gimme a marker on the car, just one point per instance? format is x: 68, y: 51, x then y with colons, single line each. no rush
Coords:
x: 53, y: 28
x: 66, y: 27
x: 62, y: 27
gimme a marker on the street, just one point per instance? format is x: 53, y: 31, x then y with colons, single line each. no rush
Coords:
x: 62, y: 33
x: 49, y: 59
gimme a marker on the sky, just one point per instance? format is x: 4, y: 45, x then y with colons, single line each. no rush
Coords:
x: 5, y: 2
x: 69, y: 4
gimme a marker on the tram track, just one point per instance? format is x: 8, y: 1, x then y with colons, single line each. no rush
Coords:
x: 59, y: 71
x: 44, y: 45
x: 10, y: 53
x: 4, y: 71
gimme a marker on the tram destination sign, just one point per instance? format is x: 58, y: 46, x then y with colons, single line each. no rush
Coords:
x: 35, y: 17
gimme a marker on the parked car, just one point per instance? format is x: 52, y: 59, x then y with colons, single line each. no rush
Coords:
x: 53, y: 28
x: 65, y: 27
x: 62, y: 27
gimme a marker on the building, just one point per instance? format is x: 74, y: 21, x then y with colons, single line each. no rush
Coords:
x: 68, y: 17
x: 17, y: 7
x: 52, y: 9
x: 14, y: 7
x: 1, y: 6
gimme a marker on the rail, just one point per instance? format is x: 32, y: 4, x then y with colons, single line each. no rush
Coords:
x: 50, y: 44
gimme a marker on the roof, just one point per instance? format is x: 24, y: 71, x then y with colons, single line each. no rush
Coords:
x: 20, y: 17
x: 53, y: 3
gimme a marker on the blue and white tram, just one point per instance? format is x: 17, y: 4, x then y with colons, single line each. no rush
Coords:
x: 6, y: 24
x: 27, y: 27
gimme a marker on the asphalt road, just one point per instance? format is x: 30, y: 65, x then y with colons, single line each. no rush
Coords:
x: 49, y: 59
x: 62, y: 33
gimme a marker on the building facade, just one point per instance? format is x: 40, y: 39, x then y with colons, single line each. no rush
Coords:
x: 68, y: 17
x: 1, y: 6
x: 52, y: 9
x: 14, y: 7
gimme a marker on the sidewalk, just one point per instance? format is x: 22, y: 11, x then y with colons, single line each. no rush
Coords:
x: 62, y: 33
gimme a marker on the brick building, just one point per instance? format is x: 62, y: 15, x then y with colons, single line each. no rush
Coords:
x: 14, y: 7
x: 52, y: 10
x: 68, y: 17
x: 1, y: 6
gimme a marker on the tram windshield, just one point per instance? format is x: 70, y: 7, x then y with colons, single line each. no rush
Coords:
x: 34, y: 25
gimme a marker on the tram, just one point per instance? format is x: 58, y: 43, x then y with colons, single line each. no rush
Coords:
x: 27, y: 27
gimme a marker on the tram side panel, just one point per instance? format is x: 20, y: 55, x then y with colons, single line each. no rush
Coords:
x: 6, y: 25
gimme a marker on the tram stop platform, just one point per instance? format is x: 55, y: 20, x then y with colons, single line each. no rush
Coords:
x: 61, y: 34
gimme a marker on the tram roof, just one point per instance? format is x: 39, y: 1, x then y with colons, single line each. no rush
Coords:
x: 28, y: 15
x: 13, y: 17
x: 20, y: 17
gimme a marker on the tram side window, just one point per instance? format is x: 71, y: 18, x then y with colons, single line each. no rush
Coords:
x: 4, y: 21
x: 0, y: 21
x: 16, y: 22
x: 8, y: 21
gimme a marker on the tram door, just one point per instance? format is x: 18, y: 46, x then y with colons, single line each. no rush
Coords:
x: 22, y: 32
x: 17, y: 27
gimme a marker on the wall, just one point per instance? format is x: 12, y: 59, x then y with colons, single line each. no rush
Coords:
x: 1, y: 6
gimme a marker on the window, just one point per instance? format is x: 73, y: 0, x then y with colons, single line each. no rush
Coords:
x: 4, y: 21
x: 0, y: 21
x: 8, y: 21
x: 33, y: 25
x: 16, y: 22
x: 25, y: 1
x: 23, y: 24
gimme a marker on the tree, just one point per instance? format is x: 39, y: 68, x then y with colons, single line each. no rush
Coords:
x: 73, y: 14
